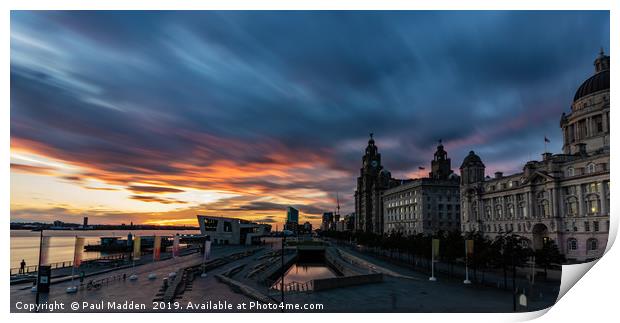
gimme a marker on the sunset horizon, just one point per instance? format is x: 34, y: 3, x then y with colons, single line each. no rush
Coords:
x: 157, y: 117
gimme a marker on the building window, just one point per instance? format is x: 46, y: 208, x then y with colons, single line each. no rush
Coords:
x: 543, y: 208
x: 511, y: 211
x: 598, y: 121
x: 595, y: 223
x: 592, y: 244
x: 586, y: 226
x: 591, y: 168
x: 570, y: 172
x: 592, y: 188
x: 593, y: 204
x: 521, y: 213
x: 572, y: 244
x: 572, y: 206
x: 210, y: 224
x: 227, y: 227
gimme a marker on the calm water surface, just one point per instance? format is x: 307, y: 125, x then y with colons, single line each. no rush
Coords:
x: 302, y: 273
x: 25, y: 243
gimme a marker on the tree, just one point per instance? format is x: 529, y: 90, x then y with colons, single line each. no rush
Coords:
x: 454, y: 247
x: 549, y: 254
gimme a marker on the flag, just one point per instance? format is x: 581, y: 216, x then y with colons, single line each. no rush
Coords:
x: 435, y: 248
x: 175, y: 246
x: 77, y: 252
x: 207, y: 250
x: 136, y: 248
x: 469, y: 246
x: 547, y: 139
x: 156, y: 248
x: 45, y: 250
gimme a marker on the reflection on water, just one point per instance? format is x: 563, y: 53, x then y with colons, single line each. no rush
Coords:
x: 25, y: 244
x: 302, y: 273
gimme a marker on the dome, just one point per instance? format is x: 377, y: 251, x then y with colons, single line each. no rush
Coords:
x: 598, y: 82
x: 472, y: 160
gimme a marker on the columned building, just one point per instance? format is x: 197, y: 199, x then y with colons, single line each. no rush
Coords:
x: 564, y: 197
x: 371, y: 183
x: 425, y: 205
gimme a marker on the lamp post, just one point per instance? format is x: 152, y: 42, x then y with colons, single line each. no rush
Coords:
x: 466, y: 281
x: 283, y: 271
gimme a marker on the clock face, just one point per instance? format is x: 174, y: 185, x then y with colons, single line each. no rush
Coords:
x: 374, y: 163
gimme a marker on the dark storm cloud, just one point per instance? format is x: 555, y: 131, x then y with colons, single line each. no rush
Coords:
x: 131, y: 92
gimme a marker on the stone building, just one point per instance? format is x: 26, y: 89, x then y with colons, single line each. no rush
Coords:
x: 564, y: 197
x: 371, y: 183
x: 425, y: 205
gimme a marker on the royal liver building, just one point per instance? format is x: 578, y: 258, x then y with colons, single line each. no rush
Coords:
x: 564, y: 197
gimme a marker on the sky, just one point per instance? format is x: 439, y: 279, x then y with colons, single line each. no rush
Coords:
x: 155, y: 117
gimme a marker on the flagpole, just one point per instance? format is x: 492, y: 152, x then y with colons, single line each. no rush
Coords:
x: 72, y: 289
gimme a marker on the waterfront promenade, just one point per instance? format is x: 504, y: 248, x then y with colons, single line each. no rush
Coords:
x: 240, y: 274
x: 141, y: 290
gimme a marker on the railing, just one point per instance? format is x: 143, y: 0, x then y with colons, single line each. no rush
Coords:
x: 63, y: 264
x: 295, y: 287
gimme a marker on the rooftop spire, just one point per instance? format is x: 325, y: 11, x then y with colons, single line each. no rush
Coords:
x: 337, y: 203
x: 601, y: 63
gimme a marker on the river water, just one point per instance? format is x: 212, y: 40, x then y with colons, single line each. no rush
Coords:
x: 25, y: 243
x: 302, y: 273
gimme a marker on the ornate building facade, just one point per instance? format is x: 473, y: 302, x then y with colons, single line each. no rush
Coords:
x: 564, y: 197
x: 371, y: 184
x: 425, y: 205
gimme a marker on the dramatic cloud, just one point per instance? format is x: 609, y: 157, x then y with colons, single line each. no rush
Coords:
x: 31, y: 169
x: 151, y: 198
x: 275, y: 107
x: 153, y: 189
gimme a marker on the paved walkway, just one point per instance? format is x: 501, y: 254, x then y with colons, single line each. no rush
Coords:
x: 394, y: 294
x: 140, y: 291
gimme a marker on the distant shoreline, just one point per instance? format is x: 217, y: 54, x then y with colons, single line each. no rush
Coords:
x: 78, y: 227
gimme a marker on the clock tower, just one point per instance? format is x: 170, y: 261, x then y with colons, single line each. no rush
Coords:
x: 371, y: 183
x: 372, y: 159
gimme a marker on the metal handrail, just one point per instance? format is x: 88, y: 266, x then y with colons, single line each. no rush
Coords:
x: 63, y: 264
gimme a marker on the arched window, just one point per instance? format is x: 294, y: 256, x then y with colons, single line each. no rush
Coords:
x: 592, y: 244
x: 591, y: 168
x: 572, y: 206
x: 570, y: 172
x: 571, y: 244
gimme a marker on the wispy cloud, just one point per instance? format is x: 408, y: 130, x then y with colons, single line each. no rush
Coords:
x: 276, y: 108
